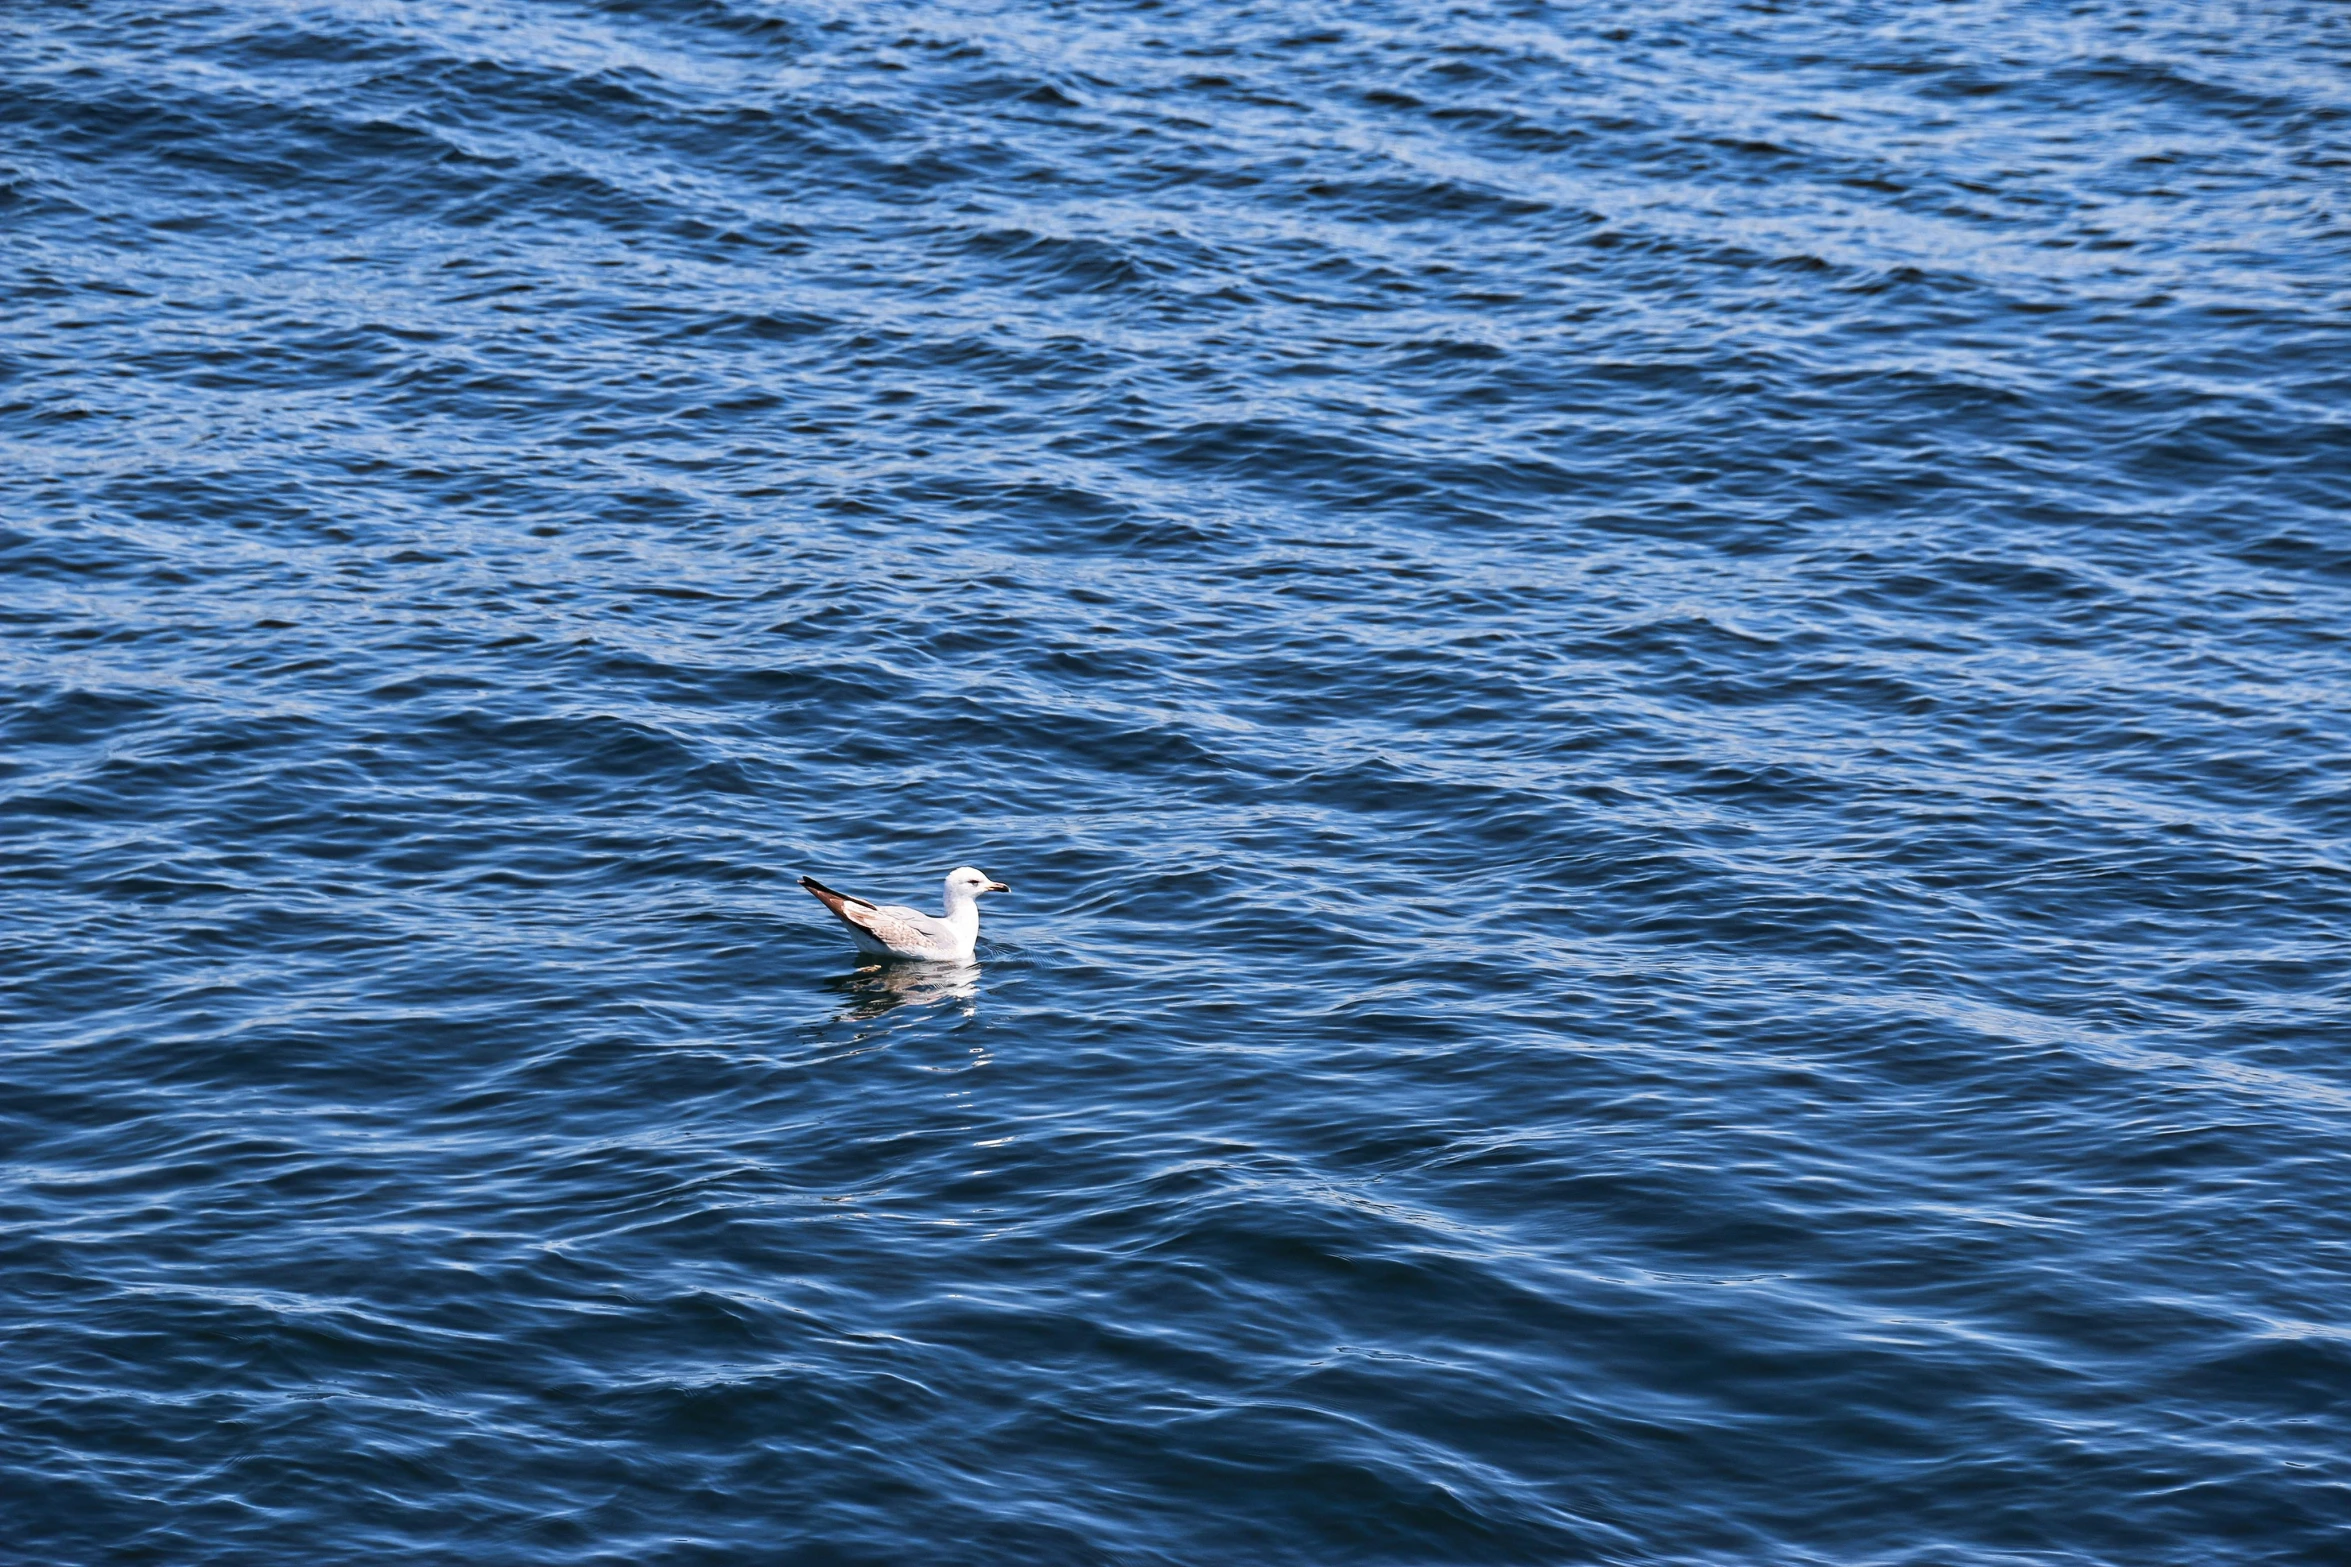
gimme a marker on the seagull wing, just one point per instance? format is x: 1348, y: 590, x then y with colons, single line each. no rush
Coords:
x: 890, y: 929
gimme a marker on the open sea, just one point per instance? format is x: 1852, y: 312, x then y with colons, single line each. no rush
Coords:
x: 1666, y: 691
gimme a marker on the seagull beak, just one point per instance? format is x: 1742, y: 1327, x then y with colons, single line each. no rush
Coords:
x: 997, y: 886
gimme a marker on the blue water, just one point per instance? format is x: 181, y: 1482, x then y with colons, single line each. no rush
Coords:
x: 1666, y: 691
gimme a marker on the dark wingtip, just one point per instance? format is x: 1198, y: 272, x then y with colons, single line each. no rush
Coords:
x: 818, y: 890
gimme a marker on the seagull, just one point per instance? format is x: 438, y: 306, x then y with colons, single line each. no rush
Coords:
x: 888, y: 930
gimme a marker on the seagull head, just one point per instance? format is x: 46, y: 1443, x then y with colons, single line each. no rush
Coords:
x: 971, y: 883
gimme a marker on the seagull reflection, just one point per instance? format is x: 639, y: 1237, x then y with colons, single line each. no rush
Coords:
x: 883, y: 987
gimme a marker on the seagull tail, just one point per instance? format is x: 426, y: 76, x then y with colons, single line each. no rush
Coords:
x: 829, y: 898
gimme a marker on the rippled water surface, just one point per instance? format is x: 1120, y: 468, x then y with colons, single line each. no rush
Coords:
x: 1666, y: 691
